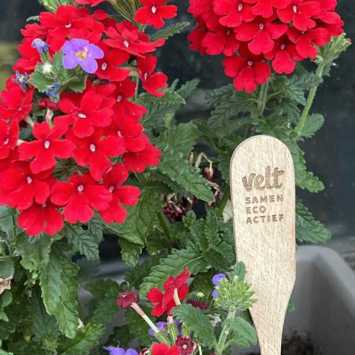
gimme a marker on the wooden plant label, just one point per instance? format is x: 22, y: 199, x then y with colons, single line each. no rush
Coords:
x: 263, y: 199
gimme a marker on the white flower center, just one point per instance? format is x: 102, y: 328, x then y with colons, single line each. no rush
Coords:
x: 119, y: 98
x: 68, y: 25
x: 80, y: 188
x: 283, y: 46
x: 104, y: 66
x: 126, y: 43
x: 46, y: 144
x: 82, y: 115
x: 250, y: 63
x: 92, y: 148
x: 154, y: 9
x: 261, y: 26
x: 47, y: 68
x: 29, y: 180
x: 295, y: 9
x: 6, y: 141
x: 145, y: 76
x: 111, y: 188
x: 240, y: 7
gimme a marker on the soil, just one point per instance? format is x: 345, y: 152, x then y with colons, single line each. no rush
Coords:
x: 297, y: 345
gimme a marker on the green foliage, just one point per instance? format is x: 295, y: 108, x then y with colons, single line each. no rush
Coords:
x: 59, y: 285
x: 314, y: 123
x: 52, y: 5
x: 197, y: 323
x: 244, y: 334
x: 308, y: 229
x: 5, y: 300
x: 171, y: 30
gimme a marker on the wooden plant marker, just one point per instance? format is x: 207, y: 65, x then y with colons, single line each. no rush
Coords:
x: 263, y: 199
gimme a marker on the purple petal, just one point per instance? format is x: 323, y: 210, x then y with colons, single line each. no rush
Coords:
x: 131, y: 352
x: 70, y: 61
x: 218, y: 278
x: 115, y: 351
x: 89, y: 65
x: 95, y: 51
x: 215, y: 294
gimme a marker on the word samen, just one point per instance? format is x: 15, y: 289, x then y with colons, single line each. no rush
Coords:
x: 270, y: 180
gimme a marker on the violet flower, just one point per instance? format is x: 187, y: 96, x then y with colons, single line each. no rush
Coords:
x: 216, y: 280
x: 40, y: 46
x: 160, y: 325
x: 120, y: 351
x: 80, y: 52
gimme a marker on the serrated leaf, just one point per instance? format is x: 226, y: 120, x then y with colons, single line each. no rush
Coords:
x: 172, y: 265
x: 171, y: 30
x: 198, y: 323
x: 305, y: 179
x: 85, y: 241
x: 313, y: 124
x: 40, y: 81
x: 34, y: 252
x: 308, y: 229
x: 142, y: 219
x: 130, y: 252
x: 7, y: 267
x: 6, y: 219
x: 187, y: 89
x: 5, y: 300
x: 59, y: 285
x: 86, y: 339
x: 244, y: 332
x: 52, y: 5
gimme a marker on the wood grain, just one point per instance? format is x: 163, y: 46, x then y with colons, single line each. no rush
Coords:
x: 263, y: 199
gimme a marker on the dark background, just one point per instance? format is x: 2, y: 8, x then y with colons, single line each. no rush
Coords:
x: 331, y: 154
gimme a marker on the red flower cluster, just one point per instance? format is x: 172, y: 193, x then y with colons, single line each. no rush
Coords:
x: 164, y: 349
x: 258, y: 36
x: 65, y: 161
x: 164, y: 302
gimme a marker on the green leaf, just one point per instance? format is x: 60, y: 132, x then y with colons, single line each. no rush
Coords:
x: 105, y: 294
x: 86, y: 339
x: 85, y: 241
x: 198, y: 323
x: 313, y: 124
x: 34, y: 252
x: 7, y: 267
x: 6, y: 219
x: 40, y: 81
x: 52, y: 5
x: 171, y: 30
x: 2, y: 352
x: 59, y: 285
x: 5, y: 300
x: 308, y: 229
x: 142, y: 219
x: 305, y: 179
x: 130, y: 252
x: 172, y: 265
x: 244, y: 333
x: 187, y: 89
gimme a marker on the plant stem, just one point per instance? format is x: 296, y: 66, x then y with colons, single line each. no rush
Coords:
x: 222, y: 342
x: 310, y: 99
x: 262, y: 99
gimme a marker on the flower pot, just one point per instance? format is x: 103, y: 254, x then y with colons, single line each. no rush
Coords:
x: 324, y: 301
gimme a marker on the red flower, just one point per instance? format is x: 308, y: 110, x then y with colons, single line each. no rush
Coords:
x: 29, y: 57
x: 109, y: 66
x: 221, y: 41
x: 85, y: 112
x: 163, y: 302
x: 125, y: 299
x: 80, y: 196
x: 164, y: 349
x: 185, y: 345
x: 260, y: 35
x: 127, y: 37
x: 247, y: 73
x: 121, y: 195
x: 265, y: 8
x: 300, y: 14
x: 233, y: 12
x: 90, y: 2
x: 22, y: 188
x: 15, y: 103
x: 43, y: 218
x: 46, y: 148
x: 9, y: 134
x: 196, y: 38
x: 153, y: 82
x: 138, y: 162
x: 96, y: 151
x: 154, y: 12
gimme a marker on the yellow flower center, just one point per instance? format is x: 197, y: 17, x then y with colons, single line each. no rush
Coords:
x: 83, y: 54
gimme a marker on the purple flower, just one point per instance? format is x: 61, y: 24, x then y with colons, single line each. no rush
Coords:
x: 216, y: 279
x: 160, y: 325
x: 40, y: 46
x: 81, y: 52
x: 215, y: 294
x: 120, y: 351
